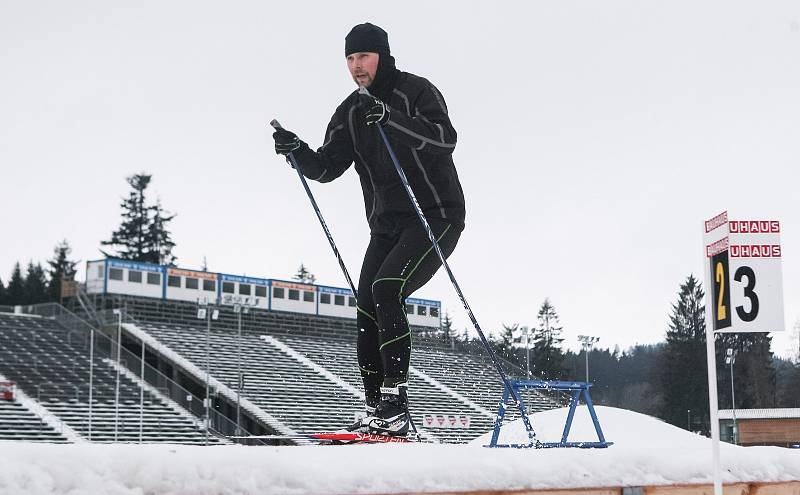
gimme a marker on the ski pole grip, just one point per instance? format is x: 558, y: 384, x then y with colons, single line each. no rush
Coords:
x: 275, y: 124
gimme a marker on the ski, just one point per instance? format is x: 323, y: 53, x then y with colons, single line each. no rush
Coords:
x: 340, y: 438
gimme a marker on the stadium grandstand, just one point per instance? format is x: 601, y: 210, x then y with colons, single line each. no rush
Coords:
x: 114, y: 366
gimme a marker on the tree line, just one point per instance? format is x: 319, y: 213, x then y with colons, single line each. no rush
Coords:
x: 37, y: 284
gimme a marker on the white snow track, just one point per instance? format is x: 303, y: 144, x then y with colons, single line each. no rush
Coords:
x: 647, y: 452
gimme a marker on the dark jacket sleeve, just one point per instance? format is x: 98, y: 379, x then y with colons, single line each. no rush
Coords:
x: 429, y: 129
x: 333, y: 157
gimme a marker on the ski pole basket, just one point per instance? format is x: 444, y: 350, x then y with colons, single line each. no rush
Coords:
x: 576, y: 389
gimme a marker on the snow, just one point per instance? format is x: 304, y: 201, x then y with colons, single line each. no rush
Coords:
x: 646, y: 452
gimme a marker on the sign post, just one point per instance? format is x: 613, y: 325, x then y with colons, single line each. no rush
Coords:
x: 744, y: 293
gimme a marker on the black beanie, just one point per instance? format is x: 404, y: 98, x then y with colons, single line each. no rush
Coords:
x: 366, y: 38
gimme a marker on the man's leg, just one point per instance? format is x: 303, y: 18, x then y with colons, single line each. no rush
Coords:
x: 410, y: 264
x: 368, y: 347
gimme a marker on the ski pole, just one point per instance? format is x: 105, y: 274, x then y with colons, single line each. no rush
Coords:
x: 275, y: 124
x: 438, y: 249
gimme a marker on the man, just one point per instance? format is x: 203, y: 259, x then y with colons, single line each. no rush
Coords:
x: 400, y: 258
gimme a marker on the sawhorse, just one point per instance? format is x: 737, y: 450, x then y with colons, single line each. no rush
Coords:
x: 576, y: 388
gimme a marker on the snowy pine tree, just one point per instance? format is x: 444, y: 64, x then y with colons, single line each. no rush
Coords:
x: 159, y: 239
x: 61, y: 268
x: 504, y: 343
x: 2, y: 293
x: 15, y: 292
x: 447, y: 327
x: 547, y: 357
x: 35, y: 285
x: 304, y: 276
x: 143, y: 234
x: 682, y: 370
x: 754, y: 373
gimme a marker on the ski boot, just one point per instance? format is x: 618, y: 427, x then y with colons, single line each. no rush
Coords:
x: 361, y: 423
x: 391, y: 417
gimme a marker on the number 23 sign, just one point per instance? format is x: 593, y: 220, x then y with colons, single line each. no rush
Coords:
x: 743, y: 269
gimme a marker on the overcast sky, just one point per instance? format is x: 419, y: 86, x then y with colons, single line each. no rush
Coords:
x: 594, y: 138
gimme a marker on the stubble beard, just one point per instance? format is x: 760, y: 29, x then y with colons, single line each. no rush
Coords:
x: 367, y: 84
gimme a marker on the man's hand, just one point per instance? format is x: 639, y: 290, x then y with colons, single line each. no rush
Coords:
x: 375, y: 111
x: 285, y: 141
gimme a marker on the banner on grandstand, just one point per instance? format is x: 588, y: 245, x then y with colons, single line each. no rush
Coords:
x: 135, y: 265
x: 334, y: 290
x: 292, y: 285
x: 424, y: 302
x: 177, y: 272
x: 445, y: 421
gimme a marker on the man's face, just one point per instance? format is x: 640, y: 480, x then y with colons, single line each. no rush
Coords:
x: 363, y: 66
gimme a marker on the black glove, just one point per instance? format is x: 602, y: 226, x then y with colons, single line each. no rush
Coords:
x: 375, y: 111
x: 285, y: 141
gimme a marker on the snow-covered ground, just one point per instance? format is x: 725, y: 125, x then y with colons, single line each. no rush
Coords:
x: 646, y: 452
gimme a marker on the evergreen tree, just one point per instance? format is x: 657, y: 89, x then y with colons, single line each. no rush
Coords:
x: 15, y: 292
x: 159, y: 239
x: 755, y: 360
x: 61, y: 268
x: 682, y: 373
x: 304, y: 276
x: 504, y: 343
x: 547, y: 357
x: 760, y: 373
x: 143, y: 234
x: 2, y: 293
x: 35, y: 285
x: 447, y: 327
x: 788, y: 383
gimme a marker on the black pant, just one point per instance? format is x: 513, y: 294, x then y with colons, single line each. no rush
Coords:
x: 394, y: 267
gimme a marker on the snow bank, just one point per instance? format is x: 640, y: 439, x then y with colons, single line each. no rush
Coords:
x: 646, y: 452
x: 627, y: 429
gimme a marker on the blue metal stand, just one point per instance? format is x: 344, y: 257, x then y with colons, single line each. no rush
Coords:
x: 576, y: 388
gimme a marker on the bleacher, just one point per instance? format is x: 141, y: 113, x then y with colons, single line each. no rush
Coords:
x: 302, y: 400
x: 255, y: 321
x: 51, y: 364
x: 19, y: 423
x: 444, y: 383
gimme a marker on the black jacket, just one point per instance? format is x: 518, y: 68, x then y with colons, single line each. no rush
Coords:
x: 423, y: 139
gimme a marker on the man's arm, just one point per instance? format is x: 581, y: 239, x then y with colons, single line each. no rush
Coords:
x: 332, y: 158
x: 429, y: 130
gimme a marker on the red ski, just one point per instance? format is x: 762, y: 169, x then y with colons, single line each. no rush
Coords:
x: 336, y: 438
x: 359, y: 438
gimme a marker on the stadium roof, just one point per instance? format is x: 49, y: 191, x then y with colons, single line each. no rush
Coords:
x: 782, y: 413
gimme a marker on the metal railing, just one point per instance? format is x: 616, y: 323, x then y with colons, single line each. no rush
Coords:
x: 83, y: 336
